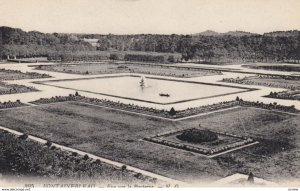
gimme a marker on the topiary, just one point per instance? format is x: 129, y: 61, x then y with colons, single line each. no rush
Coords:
x: 172, y: 111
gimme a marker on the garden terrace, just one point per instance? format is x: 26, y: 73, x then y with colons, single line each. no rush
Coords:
x: 117, y: 135
x: 265, y: 80
x: 114, y: 68
x: 6, y: 88
x: 22, y: 157
x: 6, y: 74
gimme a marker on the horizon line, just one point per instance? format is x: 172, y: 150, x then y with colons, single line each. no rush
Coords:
x: 208, y: 30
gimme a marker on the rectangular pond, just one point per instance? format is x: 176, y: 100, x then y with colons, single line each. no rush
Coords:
x: 156, y: 90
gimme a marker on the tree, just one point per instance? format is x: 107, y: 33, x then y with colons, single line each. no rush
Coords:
x: 172, y: 111
x: 124, y: 167
x: 251, y: 177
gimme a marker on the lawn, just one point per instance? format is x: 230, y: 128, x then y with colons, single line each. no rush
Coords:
x: 112, y: 68
x: 117, y: 135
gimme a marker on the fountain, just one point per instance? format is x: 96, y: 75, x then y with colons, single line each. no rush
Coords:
x: 143, y: 82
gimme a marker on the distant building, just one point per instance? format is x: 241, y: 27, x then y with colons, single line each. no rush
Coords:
x: 92, y: 41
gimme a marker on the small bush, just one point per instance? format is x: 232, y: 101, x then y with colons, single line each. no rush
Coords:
x: 23, y: 137
x: 53, y: 147
x: 124, y: 167
x: 138, y: 175
x: 86, y: 157
x: 74, y: 154
x: 98, y: 161
x: 48, y: 144
x: 172, y: 111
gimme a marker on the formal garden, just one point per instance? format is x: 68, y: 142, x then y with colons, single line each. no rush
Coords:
x: 169, y: 114
x: 118, y: 136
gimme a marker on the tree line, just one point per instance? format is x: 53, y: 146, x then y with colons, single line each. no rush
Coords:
x: 228, y: 47
x: 16, y: 42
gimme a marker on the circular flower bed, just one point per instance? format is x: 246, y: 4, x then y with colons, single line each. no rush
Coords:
x: 197, y: 136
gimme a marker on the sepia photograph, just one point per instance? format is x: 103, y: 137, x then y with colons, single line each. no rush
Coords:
x: 147, y: 94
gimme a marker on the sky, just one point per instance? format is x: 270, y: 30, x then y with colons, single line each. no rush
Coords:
x: 150, y: 16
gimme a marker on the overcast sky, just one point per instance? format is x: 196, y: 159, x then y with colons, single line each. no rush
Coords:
x: 150, y: 16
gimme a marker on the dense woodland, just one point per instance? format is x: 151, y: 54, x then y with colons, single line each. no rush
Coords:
x: 208, y: 46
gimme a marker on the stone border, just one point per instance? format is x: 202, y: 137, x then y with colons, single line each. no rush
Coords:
x: 244, y: 89
x: 245, y: 141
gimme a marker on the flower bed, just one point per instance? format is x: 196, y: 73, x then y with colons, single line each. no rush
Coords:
x: 9, y: 104
x: 7, y: 74
x: 6, y: 88
x: 161, y: 113
x: 198, y: 147
x: 289, y: 95
x: 277, y: 81
x: 57, y: 99
x: 271, y: 106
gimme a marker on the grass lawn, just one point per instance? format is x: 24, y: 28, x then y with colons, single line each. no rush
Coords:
x: 112, y: 68
x: 117, y: 135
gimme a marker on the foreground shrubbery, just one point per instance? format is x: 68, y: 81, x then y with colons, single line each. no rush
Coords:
x: 22, y: 157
